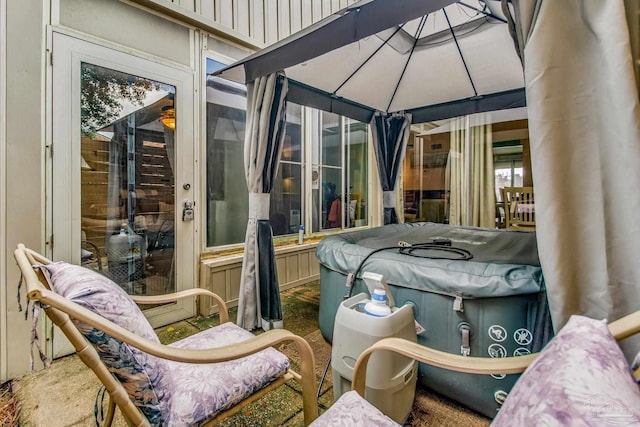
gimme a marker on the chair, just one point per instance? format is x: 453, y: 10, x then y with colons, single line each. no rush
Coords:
x: 199, y: 380
x: 519, y: 208
x: 89, y: 253
x: 583, y: 352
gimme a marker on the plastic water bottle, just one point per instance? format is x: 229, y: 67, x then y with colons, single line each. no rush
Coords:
x: 301, y: 234
x: 378, y: 305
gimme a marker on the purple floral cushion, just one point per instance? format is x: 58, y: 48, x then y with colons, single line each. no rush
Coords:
x: 352, y: 410
x: 580, y: 379
x: 202, y: 391
x: 140, y: 374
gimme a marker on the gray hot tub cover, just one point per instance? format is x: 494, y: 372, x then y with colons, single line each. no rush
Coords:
x: 504, y: 262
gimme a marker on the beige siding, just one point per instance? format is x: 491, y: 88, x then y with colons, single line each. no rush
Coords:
x: 264, y: 21
x: 24, y: 166
x: 296, y: 265
x: 138, y: 29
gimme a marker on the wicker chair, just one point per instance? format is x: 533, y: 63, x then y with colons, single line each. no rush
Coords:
x: 199, y: 380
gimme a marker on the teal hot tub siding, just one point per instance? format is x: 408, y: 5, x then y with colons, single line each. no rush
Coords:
x: 501, y: 288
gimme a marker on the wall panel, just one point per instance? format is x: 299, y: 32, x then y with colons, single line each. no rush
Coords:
x: 284, y: 19
x: 264, y: 21
x: 295, y: 16
x: 242, y: 18
x: 128, y: 26
x: 297, y: 265
x: 256, y: 19
x: 224, y: 13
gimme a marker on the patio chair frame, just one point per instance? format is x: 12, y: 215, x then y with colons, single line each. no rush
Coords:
x: 60, y: 311
x: 622, y: 328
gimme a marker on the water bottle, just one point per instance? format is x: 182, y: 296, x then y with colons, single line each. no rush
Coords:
x: 300, y: 234
x: 378, y: 306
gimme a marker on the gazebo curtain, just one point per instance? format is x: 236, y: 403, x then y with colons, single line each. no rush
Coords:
x: 470, y: 173
x: 390, y: 136
x: 584, y: 125
x: 259, y: 303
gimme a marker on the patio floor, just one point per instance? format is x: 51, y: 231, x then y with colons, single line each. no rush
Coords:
x: 64, y: 394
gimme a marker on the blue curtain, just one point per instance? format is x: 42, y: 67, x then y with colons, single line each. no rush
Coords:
x: 390, y: 135
x: 259, y: 302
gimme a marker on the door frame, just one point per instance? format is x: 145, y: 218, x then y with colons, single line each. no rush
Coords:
x: 3, y: 192
x: 69, y: 51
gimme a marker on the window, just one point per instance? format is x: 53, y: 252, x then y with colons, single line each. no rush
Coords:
x: 339, y: 168
x: 425, y: 178
x: 227, y: 196
x: 356, y: 144
x: 286, y: 212
x: 507, y: 165
x: 339, y: 173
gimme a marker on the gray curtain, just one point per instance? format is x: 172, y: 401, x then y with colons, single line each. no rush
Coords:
x: 259, y: 303
x: 390, y: 136
x: 584, y: 125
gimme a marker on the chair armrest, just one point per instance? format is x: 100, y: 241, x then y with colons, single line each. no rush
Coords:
x: 440, y: 359
x: 168, y: 298
x: 626, y: 326
x: 620, y: 329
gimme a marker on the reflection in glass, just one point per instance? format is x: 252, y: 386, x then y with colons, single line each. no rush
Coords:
x: 356, y: 149
x: 332, y: 200
x: 508, y: 169
x: 340, y: 151
x: 331, y: 140
x: 127, y: 179
x: 424, y: 175
x: 227, y: 194
x: 331, y: 170
x: 285, y: 210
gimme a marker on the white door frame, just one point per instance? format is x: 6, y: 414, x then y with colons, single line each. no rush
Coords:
x: 69, y: 52
x: 3, y: 189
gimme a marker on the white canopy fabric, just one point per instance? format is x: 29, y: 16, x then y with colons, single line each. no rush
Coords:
x: 409, y: 56
x: 584, y: 125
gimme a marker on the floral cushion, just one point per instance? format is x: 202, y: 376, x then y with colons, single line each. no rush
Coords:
x: 199, y: 392
x: 352, y: 410
x: 580, y: 379
x: 140, y: 374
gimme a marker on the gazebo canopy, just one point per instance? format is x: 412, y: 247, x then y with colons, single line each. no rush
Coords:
x: 434, y: 59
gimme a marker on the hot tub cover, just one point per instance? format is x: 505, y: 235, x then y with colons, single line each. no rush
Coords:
x: 504, y: 262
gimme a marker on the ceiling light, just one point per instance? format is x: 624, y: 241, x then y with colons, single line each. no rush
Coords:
x: 168, y: 117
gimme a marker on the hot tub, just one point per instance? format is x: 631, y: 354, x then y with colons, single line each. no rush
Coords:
x: 493, y: 305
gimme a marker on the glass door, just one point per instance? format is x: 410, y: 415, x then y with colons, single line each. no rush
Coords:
x: 127, y: 179
x: 122, y: 170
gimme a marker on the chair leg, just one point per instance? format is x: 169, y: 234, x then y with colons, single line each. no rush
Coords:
x: 111, y: 411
